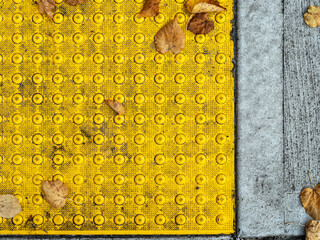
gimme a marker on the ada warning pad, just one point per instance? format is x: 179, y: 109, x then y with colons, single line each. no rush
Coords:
x: 165, y: 167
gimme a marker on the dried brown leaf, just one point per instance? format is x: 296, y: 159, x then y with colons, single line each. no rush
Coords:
x: 116, y: 106
x: 200, y: 24
x: 75, y: 2
x: 312, y: 17
x: 170, y: 38
x: 312, y: 230
x: 150, y: 8
x: 9, y: 206
x: 55, y: 193
x: 199, y: 6
x: 310, y: 199
x: 47, y: 7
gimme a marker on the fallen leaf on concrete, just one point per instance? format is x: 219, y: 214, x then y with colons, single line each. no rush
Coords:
x: 75, y: 2
x: 312, y: 17
x: 150, y: 8
x: 116, y: 106
x: 9, y: 206
x: 170, y: 38
x: 200, y: 24
x: 55, y: 193
x: 199, y: 6
x: 47, y: 7
x: 312, y: 230
x: 310, y: 199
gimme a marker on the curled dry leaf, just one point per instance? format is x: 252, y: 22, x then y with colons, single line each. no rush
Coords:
x: 55, y: 193
x: 312, y: 230
x: 170, y: 38
x: 150, y: 8
x: 200, y: 24
x: 75, y: 2
x: 312, y: 17
x: 9, y: 206
x: 199, y: 6
x: 116, y: 106
x: 47, y: 7
x: 310, y: 199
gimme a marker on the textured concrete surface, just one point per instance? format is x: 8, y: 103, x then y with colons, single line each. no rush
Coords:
x: 260, y: 118
x: 278, y: 115
x: 301, y: 109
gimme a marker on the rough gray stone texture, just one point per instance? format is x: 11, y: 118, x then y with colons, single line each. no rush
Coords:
x: 260, y: 118
x: 278, y: 58
x: 301, y: 108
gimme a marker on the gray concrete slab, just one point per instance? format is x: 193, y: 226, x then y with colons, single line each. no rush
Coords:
x: 260, y: 118
x: 278, y: 115
x: 301, y: 109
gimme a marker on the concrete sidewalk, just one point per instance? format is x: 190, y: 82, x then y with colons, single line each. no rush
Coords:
x: 260, y: 118
x: 278, y: 115
x: 278, y: 102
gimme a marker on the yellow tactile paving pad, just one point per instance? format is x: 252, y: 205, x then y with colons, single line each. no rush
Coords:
x: 166, y: 167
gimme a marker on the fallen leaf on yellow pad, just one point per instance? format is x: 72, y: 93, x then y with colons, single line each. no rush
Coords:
x: 312, y: 17
x: 116, y: 106
x: 199, y: 6
x: 312, y: 230
x: 9, y: 206
x: 200, y: 24
x: 150, y: 8
x: 170, y: 38
x: 310, y: 199
x: 75, y: 2
x: 55, y: 193
x: 47, y: 7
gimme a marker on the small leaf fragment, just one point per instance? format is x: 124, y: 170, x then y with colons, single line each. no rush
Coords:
x: 170, y: 38
x: 310, y: 199
x: 75, y: 2
x: 150, y: 8
x: 47, y: 7
x: 312, y: 17
x: 312, y: 230
x: 200, y: 24
x: 199, y: 6
x: 116, y: 106
x: 55, y: 193
x: 9, y: 206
